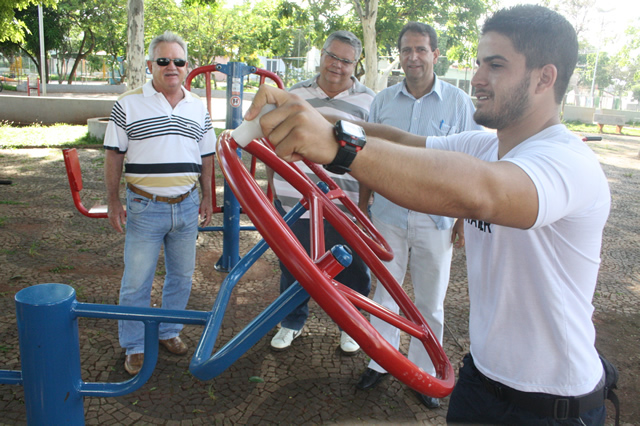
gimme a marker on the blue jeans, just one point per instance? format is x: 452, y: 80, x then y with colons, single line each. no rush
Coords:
x: 471, y: 402
x: 356, y: 276
x: 150, y: 225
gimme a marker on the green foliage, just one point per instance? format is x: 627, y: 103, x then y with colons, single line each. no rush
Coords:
x: 587, y: 62
x: 73, y: 29
x: 636, y: 92
x: 454, y: 20
x: 29, y: 42
x: 93, y: 25
x: 626, y: 69
x: 13, y: 29
x: 329, y: 16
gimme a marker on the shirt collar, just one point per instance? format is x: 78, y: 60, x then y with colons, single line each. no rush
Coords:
x: 356, y: 86
x: 436, y: 89
x: 148, y: 90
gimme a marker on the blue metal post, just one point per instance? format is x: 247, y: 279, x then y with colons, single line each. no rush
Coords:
x: 235, y: 71
x: 50, y: 354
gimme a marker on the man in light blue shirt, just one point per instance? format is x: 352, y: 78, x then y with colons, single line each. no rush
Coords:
x: 424, y: 105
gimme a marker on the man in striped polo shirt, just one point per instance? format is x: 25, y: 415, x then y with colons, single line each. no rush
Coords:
x: 424, y: 105
x: 335, y: 92
x: 165, y: 134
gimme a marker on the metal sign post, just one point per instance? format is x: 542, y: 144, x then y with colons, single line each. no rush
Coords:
x: 235, y: 71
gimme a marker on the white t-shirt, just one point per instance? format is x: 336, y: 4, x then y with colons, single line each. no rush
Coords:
x: 530, y: 290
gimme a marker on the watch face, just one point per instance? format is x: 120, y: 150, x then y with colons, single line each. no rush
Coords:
x: 353, y: 129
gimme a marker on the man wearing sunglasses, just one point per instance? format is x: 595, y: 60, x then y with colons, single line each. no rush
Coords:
x: 165, y: 134
x: 333, y: 91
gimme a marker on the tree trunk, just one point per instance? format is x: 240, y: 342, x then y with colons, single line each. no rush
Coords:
x: 81, y: 55
x: 135, y: 51
x: 368, y: 12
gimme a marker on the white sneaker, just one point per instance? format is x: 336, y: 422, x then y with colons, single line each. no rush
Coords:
x: 348, y: 345
x: 283, y: 338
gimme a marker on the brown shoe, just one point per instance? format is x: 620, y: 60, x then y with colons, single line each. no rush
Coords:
x: 133, y: 363
x: 175, y: 345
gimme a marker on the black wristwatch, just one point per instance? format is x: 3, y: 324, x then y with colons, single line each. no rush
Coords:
x: 351, y: 139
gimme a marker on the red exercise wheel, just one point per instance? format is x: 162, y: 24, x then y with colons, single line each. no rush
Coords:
x: 339, y: 301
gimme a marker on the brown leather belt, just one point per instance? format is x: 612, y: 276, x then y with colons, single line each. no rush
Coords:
x: 169, y: 200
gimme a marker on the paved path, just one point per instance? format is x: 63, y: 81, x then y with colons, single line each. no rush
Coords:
x: 43, y: 239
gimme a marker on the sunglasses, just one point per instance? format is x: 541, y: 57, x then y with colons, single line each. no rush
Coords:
x: 163, y: 62
x: 336, y: 58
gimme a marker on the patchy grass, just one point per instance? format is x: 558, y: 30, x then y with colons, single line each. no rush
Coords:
x: 576, y: 126
x: 8, y: 87
x: 49, y: 136
x: 41, y: 136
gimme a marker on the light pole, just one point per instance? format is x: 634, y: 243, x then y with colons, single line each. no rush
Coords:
x: 593, y: 80
x: 43, y: 67
x: 595, y: 69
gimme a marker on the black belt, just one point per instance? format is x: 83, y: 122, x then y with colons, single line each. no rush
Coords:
x: 170, y: 200
x: 544, y: 404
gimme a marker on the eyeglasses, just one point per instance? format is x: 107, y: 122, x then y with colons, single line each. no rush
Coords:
x: 335, y: 58
x: 163, y: 62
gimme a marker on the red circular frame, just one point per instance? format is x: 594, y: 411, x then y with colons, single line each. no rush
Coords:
x: 339, y: 301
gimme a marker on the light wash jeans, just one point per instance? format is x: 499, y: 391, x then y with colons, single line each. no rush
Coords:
x: 150, y: 225
x: 428, y: 250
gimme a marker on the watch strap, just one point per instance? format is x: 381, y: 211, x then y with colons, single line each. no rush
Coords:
x: 342, y: 161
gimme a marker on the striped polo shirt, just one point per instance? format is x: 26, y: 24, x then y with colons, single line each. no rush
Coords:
x: 353, y: 105
x: 164, y: 146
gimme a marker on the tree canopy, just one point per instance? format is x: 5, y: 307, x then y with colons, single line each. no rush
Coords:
x: 13, y: 28
x: 287, y: 29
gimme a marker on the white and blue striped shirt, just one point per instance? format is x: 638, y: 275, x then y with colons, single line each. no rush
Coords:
x: 443, y: 111
x: 164, y: 146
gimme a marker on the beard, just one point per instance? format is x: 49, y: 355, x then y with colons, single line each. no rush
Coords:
x: 512, y: 109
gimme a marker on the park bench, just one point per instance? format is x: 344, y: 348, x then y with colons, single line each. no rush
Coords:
x: 609, y: 119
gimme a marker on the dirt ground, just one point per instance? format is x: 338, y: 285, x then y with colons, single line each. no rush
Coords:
x: 43, y: 239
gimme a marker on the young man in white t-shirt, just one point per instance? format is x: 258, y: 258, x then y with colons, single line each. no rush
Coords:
x: 537, y: 202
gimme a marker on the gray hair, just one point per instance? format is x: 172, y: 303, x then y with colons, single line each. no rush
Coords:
x: 167, y: 37
x: 346, y: 37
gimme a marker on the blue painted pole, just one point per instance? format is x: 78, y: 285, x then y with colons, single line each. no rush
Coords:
x: 50, y: 354
x: 235, y: 71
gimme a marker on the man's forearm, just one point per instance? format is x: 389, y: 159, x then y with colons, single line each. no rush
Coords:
x: 393, y: 134
x: 364, y: 196
x: 448, y: 183
x: 113, y: 162
x: 383, y: 131
x: 205, y: 176
x: 427, y: 180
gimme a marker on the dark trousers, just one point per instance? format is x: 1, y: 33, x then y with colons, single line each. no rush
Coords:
x: 471, y: 402
x: 356, y: 276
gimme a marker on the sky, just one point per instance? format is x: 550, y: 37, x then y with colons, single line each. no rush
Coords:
x: 610, y: 17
